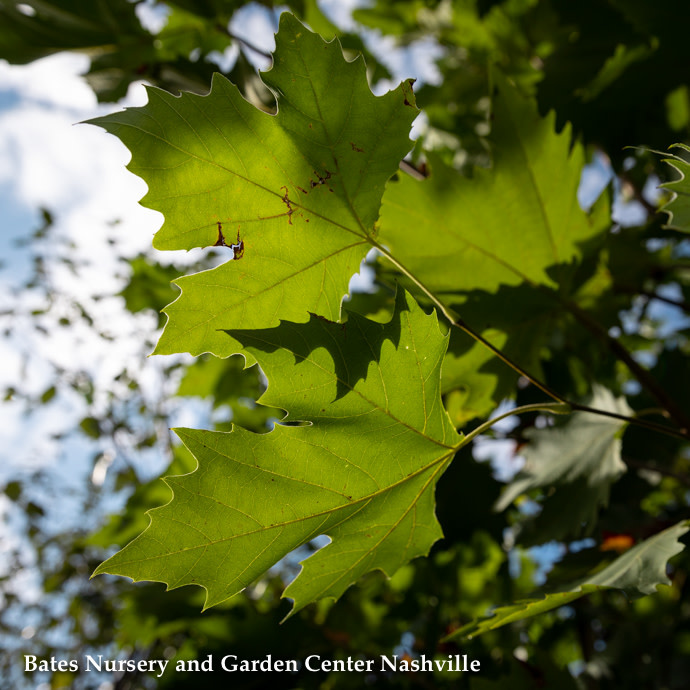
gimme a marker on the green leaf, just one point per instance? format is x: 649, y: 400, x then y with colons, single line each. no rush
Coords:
x: 301, y: 188
x: 230, y: 384
x: 149, y: 286
x: 42, y: 28
x: 581, y: 459
x: 678, y: 208
x: 361, y: 466
x: 637, y: 572
x: 507, y: 225
x: 91, y: 427
x: 622, y: 59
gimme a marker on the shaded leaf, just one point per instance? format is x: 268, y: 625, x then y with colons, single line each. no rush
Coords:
x: 637, y: 572
x: 581, y: 459
x: 37, y: 29
x: 475, y: 378
x: 149, y: 286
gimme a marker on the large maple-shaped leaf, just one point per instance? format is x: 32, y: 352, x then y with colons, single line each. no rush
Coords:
x: 506, y: 225
x: 301, y: 187
x: 637, y: 572
x: 581, y: 459
x: 362, y: 470
x: 678, y: 208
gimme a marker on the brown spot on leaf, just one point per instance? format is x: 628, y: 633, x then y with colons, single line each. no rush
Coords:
x: 238, y: 247
x: 220, y: 242
x: 286, y: 200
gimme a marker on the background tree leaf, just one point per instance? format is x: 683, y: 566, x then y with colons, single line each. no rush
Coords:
x: 503, y: 226
x: 678, y: 208
x: 637, y: 572
x: 580, y: 459
x: 362, y: 470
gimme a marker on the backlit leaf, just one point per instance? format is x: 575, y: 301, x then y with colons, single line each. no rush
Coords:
x: 300, y: 188
x: 361, y: 467
x: 506, y: 225
x: 678, y: 208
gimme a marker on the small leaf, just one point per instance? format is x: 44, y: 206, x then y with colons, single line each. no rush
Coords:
x: 637, y: 572
x: 361, y: 467
x: 13, y: 490
x: 91, y: 427
x: 48, y: 394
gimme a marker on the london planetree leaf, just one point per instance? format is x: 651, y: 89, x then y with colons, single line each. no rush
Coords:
x: 637, y: 572
x: 506, y: 225
x: 300, y: 189
x: 581, y: 459
x: 361, y: 466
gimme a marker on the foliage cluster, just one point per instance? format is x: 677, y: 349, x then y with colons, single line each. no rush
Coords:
x: 357, y: 420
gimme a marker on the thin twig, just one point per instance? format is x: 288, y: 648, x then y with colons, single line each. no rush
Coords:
x: 246, y: 43
x: 636, y: 464
x: 638, y: 371
x: 411, y: 170
x: 684, y: 306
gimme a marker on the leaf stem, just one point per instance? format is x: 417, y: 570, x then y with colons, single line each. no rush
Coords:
x: 553, y: 408
x: 456, y: 321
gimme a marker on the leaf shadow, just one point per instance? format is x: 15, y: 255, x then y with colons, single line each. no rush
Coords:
x: 352, y: 345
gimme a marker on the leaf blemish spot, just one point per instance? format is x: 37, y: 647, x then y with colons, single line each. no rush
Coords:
x: 238, y: 247
x: 286, y: 200
x: 220, y: 242
x: 320, y: 180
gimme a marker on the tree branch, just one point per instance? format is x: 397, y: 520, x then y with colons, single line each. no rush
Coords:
x: 636, y: 464
x: 637, y: 370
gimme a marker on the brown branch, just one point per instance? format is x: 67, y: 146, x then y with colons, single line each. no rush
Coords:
x: 636, y: 464
x: 638, y: 371
x: 625, y: 290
